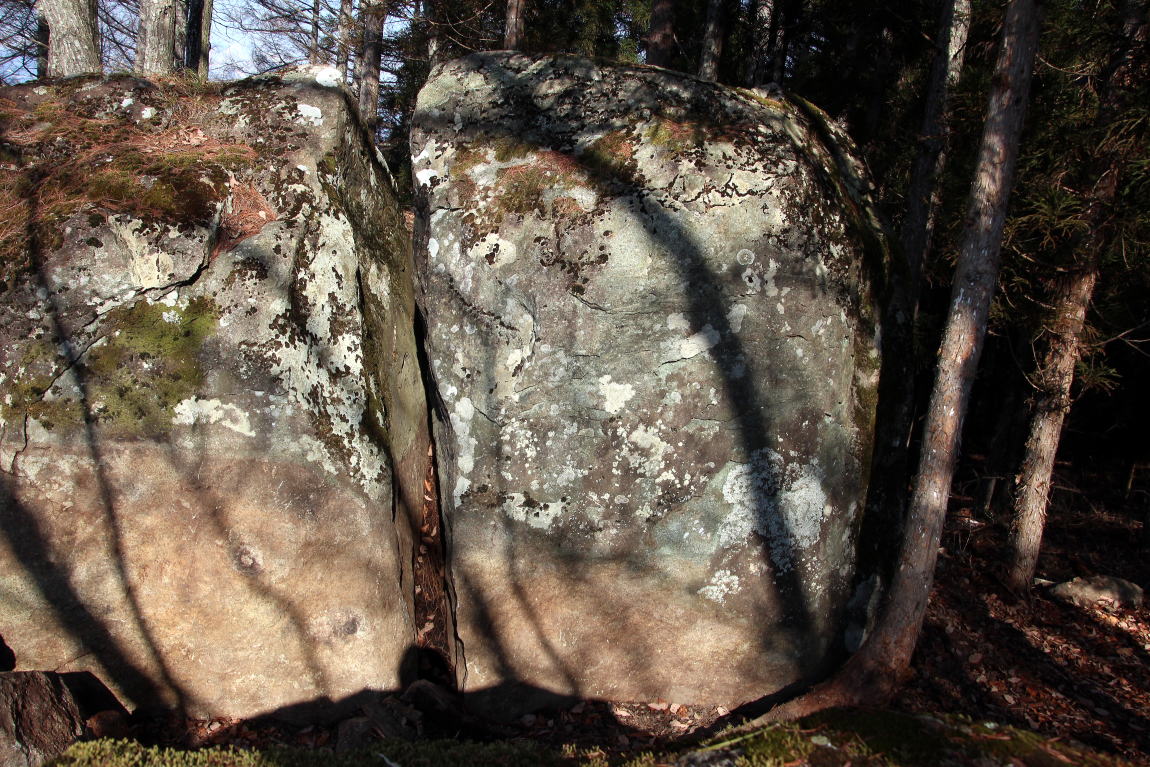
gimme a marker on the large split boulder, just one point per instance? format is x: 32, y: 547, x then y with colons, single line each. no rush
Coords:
x: 653, y: 325
x: 211, y: 416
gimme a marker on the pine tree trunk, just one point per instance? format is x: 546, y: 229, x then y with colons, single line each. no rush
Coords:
x: 1056, y: 373
x: 373, y: 15
x: 874, y: 672
x: 314, y: 56
x: 661, y: 34
x: 1053, y: 380
x: 513, y: 25
x: 199, y: 37
x: 922, y: 200
x: 41, y: 41
x: 435, y: 47
x: 73, y: 39
x: 712, y: 41
x: 346, y: 27
x: 762, y: 32
x: 161, y: 26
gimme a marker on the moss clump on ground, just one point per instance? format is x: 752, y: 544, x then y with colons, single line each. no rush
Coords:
x: 855, y: 737
x: 442, y: 753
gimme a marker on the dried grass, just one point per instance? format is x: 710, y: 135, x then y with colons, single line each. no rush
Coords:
x: 65, y: 162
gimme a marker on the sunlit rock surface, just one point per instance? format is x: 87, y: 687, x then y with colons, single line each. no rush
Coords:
x: 653, y: 329
x: 203, y: 448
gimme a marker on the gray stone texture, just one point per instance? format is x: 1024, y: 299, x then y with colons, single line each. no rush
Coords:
x: 653, y: 330
x: 207, y: 456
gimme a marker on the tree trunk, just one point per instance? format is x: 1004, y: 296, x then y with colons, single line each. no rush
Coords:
x: 161, y: 25
x: 1056, y: 373
x: 346, y: 30
x: 313, y: 54
x: 41, y: 41
x: 1053, y: 380
x: 372, y: 15
x: 435, y: 47
x: 73, y: 40
x: 199, y: 37
x: 513, y: 25
x: 713, y: 37
x: 661, y: 33
x: 922, y: 200
x: 762, y: 33
x: 874, y: 672
x: 787, y: 13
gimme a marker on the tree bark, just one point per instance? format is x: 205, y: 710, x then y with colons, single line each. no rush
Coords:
x: 314, y: 56
x: 1055, y: 375
x: 41, y: 40
x: 435, y: 47
x: 1053, y: 381
x: 373, y: 15
x: 513, y: 25
x: 762, y: 38
x: 922, y: 199
x: 661, y: 33
x: 157, y: 42
x: 875, y: 671
x: 199, y: 37
x: 713, y: 36
x: 73, y: 40
x: 346, y: 30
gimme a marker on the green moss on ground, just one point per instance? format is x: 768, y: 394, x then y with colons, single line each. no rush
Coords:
x: 855, y: 737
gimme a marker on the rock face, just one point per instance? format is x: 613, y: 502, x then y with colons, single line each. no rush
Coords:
x: 653, y: 327
x: 38, y: 718
x: 206, y: 454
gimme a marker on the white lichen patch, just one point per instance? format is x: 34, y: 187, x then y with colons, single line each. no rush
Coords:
x: 651, y: 460
x: 194, y: 411
x: 699, y: 343
x: 615, y: 395
x: 783, y: 502
x: 723, y: 583
x: 736, y: 316
x: 465, y: 444
x: 536, y: 514
x: 309, y: 115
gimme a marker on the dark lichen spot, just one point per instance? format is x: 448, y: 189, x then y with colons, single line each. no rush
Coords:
x: 349, y: 627
x: 246, y: 560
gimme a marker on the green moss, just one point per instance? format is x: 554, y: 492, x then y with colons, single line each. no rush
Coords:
x: 24, y: 394
x: 148, y: 363
x: 507, y: 148
x: 443, y: 753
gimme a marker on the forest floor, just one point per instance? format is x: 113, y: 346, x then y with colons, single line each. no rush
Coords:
x: 1040, y: 664
x: 1067, y: 673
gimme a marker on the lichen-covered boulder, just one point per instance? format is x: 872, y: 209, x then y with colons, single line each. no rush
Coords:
x: 653, y: 326
x: 205, y: 452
